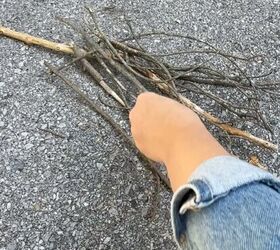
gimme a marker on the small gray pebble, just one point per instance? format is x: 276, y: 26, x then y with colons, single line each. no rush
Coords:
x: 51, y: 246
x: 99, y: 166
x: 9, y: 205
x: 12, y: 246
x: 113, y: 212
x: 21, y: 64
x: 62, y: 125
x: 145, y: 212
x: 29, y: 146
x: 17, y: 71
x: 127, y: 190
x: 107, y: 239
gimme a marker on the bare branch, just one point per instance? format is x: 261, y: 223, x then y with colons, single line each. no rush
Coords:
x: 31, y: 40
x: 106, y: 117
x: 97, y: 76
x: 216, y: 121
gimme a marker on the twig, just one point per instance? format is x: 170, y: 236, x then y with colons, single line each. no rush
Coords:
x: 105, y: 103
x: 119, y: 85
x: 216, y: 121
x: 197, y: 52
x: 56, y: 134
x: 97, y: 76
x: 115, y: 52
x: 253, y: 159
x: 116, y: 80
x: 216, y: 77
x: 31, y: 40
x: 112, y: 62
x: 66, y: 65
x: 161, y: 33
x: 105, y: 116
x: 145, y: 55
x: 133, y: 33
x: 207, y: 81
x: 229, y: 106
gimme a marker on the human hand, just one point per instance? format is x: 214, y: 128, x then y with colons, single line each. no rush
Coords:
x: 157, y: 123
x: 166, y: 131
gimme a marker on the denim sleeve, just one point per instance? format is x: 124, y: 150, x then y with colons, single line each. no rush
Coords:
x: 227, y: 204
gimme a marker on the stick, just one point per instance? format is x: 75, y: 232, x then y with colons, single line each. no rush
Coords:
x: 114, y: 51
x: 56, y: 134
x: 97, y: 76
x: 94, y: 45
x: 103, y: 64
x: 105, y: 116
x: 216, y: 121
x: 31, y: 40
x: 88, y: 53
x: 119, y: 85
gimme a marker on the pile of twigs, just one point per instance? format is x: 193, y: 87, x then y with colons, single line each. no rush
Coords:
x: 147, y: 72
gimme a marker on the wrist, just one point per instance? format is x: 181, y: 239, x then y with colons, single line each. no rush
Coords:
x: 189, y: 149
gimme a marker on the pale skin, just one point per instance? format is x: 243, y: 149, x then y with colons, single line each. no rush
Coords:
x: 168, y: 132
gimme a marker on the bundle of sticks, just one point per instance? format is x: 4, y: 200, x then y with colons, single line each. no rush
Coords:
x: 148, y: 72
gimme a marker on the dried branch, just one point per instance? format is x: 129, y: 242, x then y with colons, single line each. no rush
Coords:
x: 118, y: 83
x: 148, y: 57
x: 115, y: 53
x: 239, y: 111
x: 94, y: 45
x: 66, y: 65
x: 106, y: 117
x: 31, y: 40
x: 96, y: 75
x: 161, y: 33
x: 216, y: 121
x: 134, y: 63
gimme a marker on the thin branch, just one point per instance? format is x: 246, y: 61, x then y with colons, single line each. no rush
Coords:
x: 212, y: 74
x: 208, y: 81
x: 133, y: 33
x: 106, y: 117
x: 97, y: 76
x: 119, y: 85
x: 32, y: 40
x: 102, y: 36
x: 216, y: 121
x: 66, y: 65
x: 56, y: 134
x: 143, y: 35
x: 158, y: 79
x: 112, y: 62
x: 197, y: 52
x: 145, y: 55
x: 114, y: 51
x: 229, y: 106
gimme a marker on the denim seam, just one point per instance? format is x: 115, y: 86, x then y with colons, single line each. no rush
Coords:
x: 192, y: 186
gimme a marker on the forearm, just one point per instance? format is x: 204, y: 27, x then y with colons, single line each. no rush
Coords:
x: 227, y: 204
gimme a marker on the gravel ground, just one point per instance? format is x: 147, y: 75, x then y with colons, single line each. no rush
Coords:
x: 81, y: 188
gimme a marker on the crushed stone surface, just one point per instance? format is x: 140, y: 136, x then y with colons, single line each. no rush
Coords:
x: 68, y: 181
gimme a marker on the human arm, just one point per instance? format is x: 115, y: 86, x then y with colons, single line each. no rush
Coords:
x: 220, y: 202
x: 166, y: 131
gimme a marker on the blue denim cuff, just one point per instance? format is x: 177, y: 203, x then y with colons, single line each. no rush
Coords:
x: 213, y: 179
